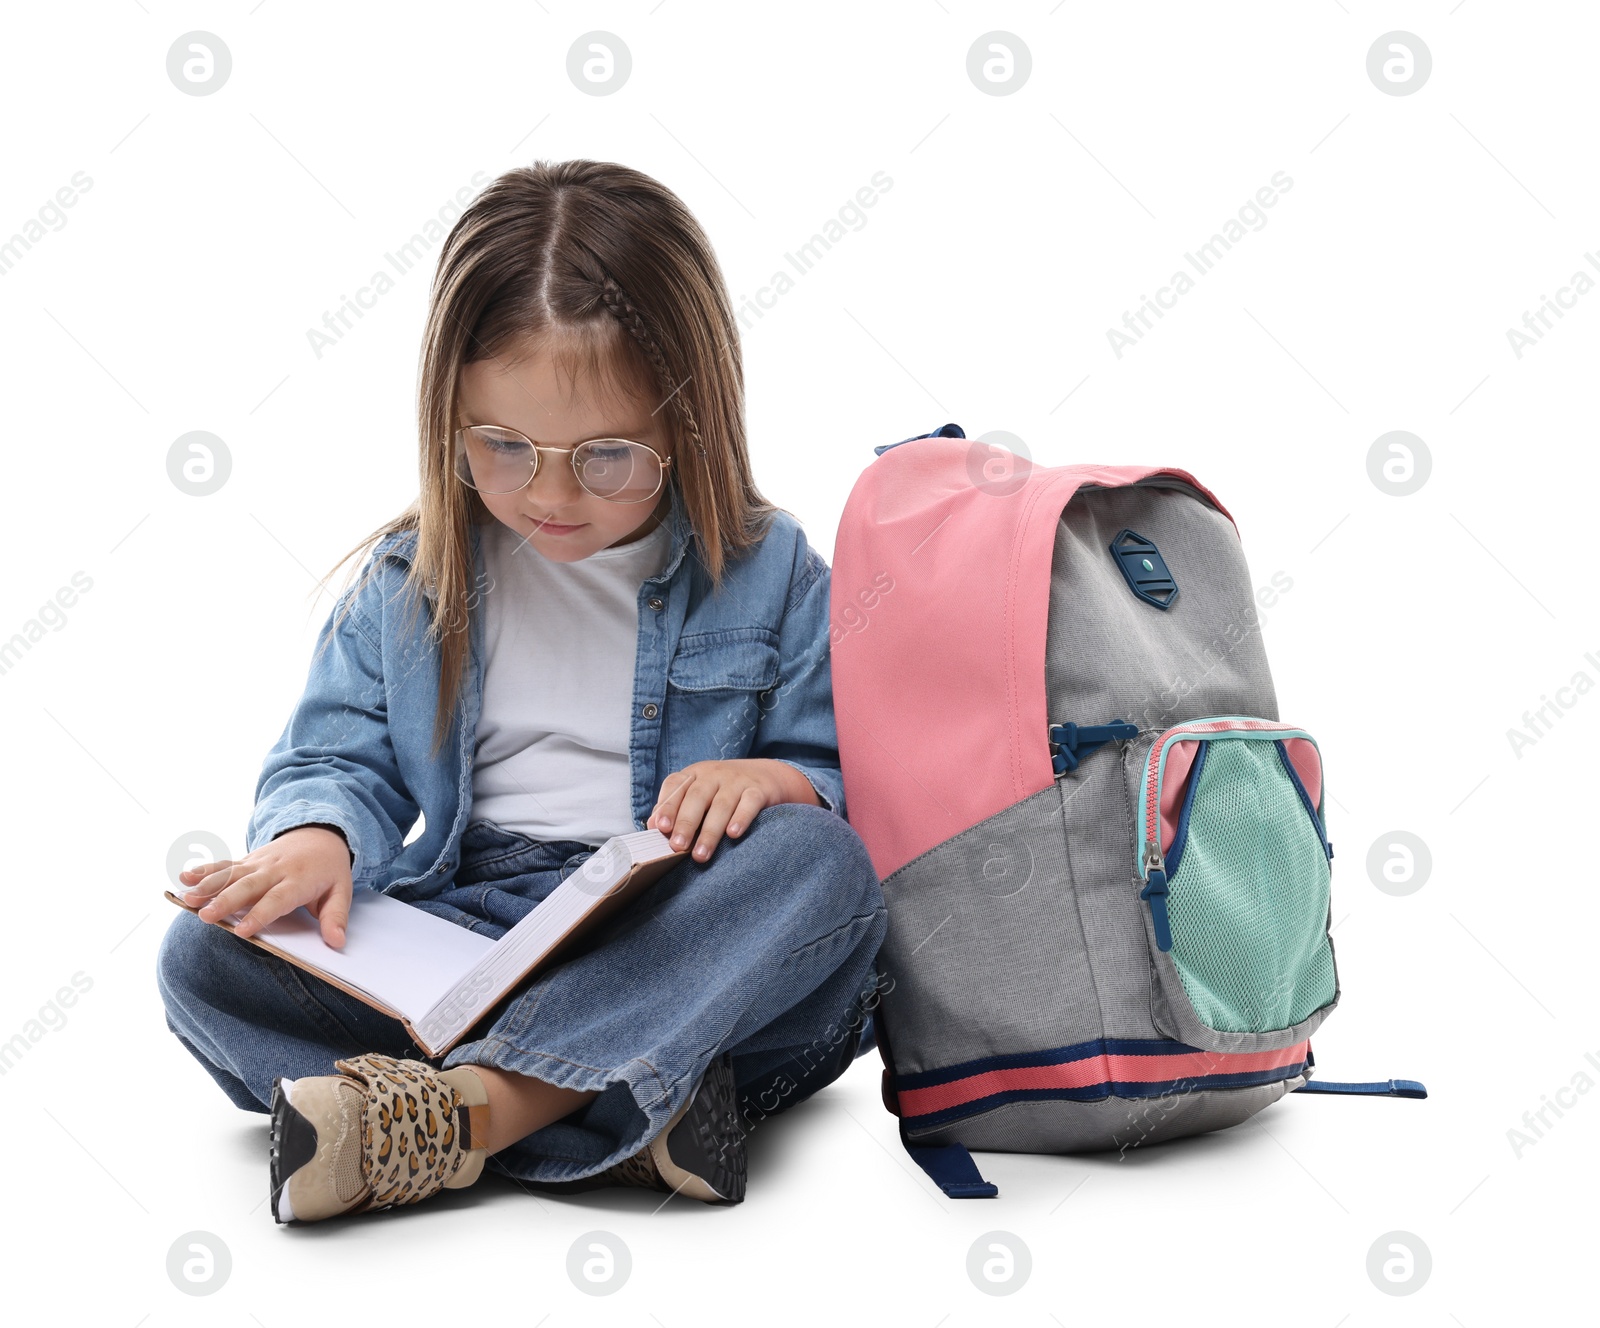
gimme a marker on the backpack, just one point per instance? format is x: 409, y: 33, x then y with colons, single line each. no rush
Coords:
x: 1104, y: 856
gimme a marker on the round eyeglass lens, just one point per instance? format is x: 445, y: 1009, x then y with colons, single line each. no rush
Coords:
x: 493, y: 460
x: 614, y: 468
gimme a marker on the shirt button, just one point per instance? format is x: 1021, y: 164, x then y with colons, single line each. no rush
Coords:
x: 651, y: 710
x: 656, y: 602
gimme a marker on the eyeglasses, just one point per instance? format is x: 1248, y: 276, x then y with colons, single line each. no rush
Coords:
x: 492, y: 459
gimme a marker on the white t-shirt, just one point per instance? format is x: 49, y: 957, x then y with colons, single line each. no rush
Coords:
x: 560, y: 641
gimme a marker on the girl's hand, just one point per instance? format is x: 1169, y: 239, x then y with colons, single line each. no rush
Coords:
x: 709, y: 797
x: 309, y: 865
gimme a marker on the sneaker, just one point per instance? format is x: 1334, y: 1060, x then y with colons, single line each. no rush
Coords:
x: 383, y: 1132
x: 701, y: 1152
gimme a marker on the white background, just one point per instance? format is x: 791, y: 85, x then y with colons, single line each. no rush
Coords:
x: 218, y: 229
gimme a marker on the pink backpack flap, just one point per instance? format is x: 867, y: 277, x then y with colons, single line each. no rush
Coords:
x: 940, y: 596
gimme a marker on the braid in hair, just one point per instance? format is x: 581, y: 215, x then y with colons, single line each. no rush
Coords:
x: 623, y: 311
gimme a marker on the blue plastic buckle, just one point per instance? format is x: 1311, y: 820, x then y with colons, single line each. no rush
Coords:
x: 1070, y: 743
x: 1144, y: 569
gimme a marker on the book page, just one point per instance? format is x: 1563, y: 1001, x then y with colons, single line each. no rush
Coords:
x: 563, y: 908
x: 406, y: 958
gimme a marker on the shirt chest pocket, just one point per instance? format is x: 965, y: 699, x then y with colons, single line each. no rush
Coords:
x: 719, y: 684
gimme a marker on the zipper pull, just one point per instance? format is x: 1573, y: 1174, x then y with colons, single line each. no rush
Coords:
x: 1155, y: 893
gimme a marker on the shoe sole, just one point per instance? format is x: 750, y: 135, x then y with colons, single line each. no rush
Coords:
x: 706, y: 1146
x: 293, y: 1143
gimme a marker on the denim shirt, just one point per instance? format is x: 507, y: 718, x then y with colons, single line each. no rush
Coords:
x: 741, y: 672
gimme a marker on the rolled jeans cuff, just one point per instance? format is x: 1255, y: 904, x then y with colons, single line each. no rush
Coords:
x: 633, y: 1105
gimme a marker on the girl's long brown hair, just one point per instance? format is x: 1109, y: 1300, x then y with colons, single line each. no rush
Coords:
x: 609, y: 271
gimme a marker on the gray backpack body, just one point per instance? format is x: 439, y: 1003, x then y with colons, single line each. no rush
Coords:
x: 1105, y: 857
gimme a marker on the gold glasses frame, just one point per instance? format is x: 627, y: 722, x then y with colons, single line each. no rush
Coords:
x: 460, y: 463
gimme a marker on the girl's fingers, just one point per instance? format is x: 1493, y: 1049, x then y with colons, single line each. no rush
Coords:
x: 332, y: 911
x: 716, y: 820
x: 665, y: 814
x: 240, y: 894
x: 672, y: 788
x: 750, y: 802
x: 269, y: 908
x: 208, y: 877
x: 686, y: 820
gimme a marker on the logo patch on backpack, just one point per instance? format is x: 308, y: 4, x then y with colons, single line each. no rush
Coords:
x: 1144, y: 569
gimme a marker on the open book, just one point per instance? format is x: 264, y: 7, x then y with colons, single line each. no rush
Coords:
x: 439, y: 979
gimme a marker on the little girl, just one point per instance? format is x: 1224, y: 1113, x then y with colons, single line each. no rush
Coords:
x: 589, y: 623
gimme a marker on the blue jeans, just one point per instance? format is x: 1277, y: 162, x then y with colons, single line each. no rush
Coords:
x: 768, y: 951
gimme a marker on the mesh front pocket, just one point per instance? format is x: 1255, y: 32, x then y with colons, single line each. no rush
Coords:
x: 1248, y: 893
x: 1234, y: 863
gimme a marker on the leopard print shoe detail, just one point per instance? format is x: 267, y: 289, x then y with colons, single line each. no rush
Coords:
x: 382, y: 1132
x: 638, y: 1169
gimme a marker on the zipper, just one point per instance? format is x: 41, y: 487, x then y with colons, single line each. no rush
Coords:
x: 1151, y: 864
x: 1221, y: 724
x: 1153, y: 867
